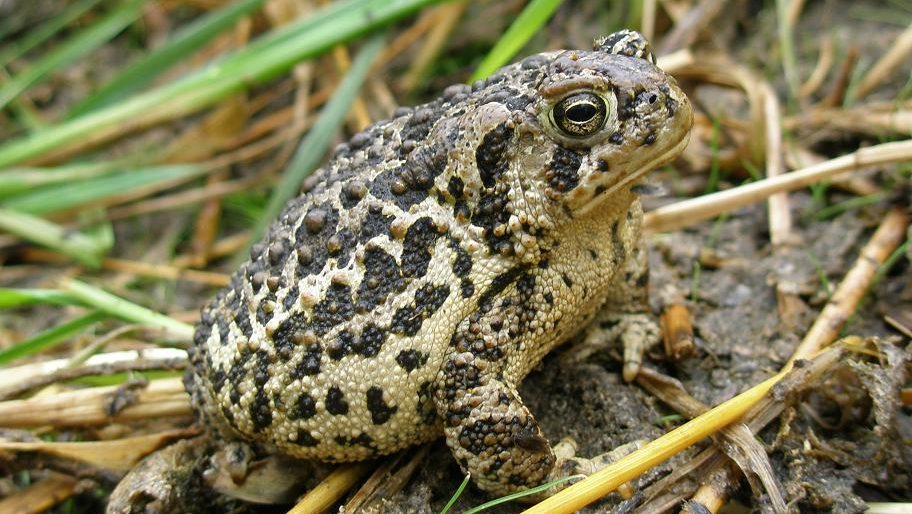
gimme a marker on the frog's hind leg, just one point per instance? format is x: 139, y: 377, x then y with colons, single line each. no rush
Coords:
x: 625, y: 316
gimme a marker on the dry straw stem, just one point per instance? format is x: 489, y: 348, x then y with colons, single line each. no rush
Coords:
x: 876, y: 119
x: 91, y: 407
x: 780, y: 218
x: 688, y: 212
x: 388, y: 479
x: 10, y: 378
x: 40, y: 496
x: 115, y: 455
x: 332, y: 488
x: 886, y: 65
x: 723, y: 72
x: 446, y: 17
x: 64, y: 374
x: 821, y: 69
x: 851, y: 290
x: 142, y: 269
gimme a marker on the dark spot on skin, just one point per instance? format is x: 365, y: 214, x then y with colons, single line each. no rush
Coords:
x: 336, y: 308
x: 566, y: 278
x: 310, y: 362
x: 497, y: 286
x: 462, y: 265
x: 291, y: 297
x: 602, y: 165
x: 311, y: 248
x: 467, y: 288
x: 304, y: 438
x: 616, y: 139
x: 411, y: 359
x: 374, y: 224
x: 243, y: 323
x: 425, y: 407
x: 549, y: 298
x: 428, y: 298
x: 456, y: 187
x: 341, y: 346
x: 335, y: 402
x: 592, y: 254
x: 371, y: 340
x: 260, y: 408
x: 650, y: 139
x: 381, y: 277
x: 361, y: 440
x: 305, y: 407
x: 379, y: 410
x: 544, y: 264
x: 563, y: 172
x: 642, y: 280
x: 599, y: 190
x: 620, y: 251
x: 416, y: 248
x: 389, y: 187
x: 491, y: 211
x: 489, y: 156
x: 260, y: 411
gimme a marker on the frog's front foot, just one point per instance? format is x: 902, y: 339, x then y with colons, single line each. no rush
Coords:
x: 637, y: 332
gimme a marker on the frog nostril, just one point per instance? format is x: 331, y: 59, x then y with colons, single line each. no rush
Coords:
x: 653, y: 98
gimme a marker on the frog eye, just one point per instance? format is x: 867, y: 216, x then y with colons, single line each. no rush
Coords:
x: 580, y: 114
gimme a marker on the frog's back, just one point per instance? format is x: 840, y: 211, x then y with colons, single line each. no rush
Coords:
x: 327, y: 342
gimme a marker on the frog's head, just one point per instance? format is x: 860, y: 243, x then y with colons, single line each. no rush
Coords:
x: 553, y: 137
x: 609, y: 116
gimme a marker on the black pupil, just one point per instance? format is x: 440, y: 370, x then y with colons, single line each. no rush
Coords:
x: 581, y: 112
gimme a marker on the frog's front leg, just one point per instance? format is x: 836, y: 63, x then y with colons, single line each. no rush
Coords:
x: 625, y: 316
x: 490, y: 431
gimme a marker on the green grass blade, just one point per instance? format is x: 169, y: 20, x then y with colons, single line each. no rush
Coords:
x: 124, y: 309
x: 84, y: 42
x: 529, y: 21
x: 72, y: 194
x: 184, y: 43
x: 520, y: 494
x: 49, y: 338
x: 457, y: 494
x: 313, y: 147
x: 68, y: 242
x: 203, y: 88
x: 11, y: 297
x: 18, y: 180
x: 44, y: 32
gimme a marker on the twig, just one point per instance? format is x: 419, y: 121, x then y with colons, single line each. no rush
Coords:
x: 687, y: 29
x: 40, y: 496
x: 896, y: 56
x: 851, y: 290
x: 780, y: 217
x: 328, y: 492
x: 688, y: 212
x: 821, y: 69
x: 87, y: 407
x: 66, y: 374
x: 842, y: 79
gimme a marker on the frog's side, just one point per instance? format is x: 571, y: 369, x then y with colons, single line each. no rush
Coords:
x: 436, y: 259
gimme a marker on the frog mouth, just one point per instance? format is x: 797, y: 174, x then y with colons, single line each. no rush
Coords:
x: 664, y: 158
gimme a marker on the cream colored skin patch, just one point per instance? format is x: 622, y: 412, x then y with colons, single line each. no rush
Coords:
x: 436, y: 259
